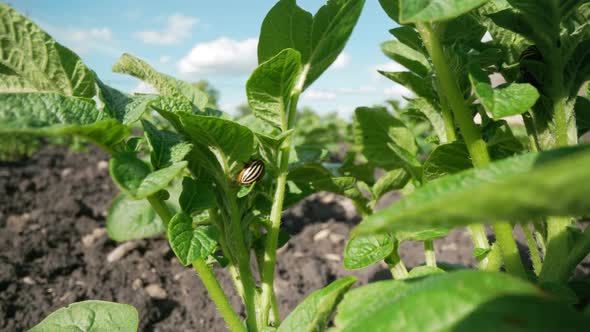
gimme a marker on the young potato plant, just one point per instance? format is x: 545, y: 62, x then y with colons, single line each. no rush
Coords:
x: 188, y: 174
x: 214, y: 187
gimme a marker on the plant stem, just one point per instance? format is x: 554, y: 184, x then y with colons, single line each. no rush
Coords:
x: 161, y: 208
x: 471, y: 134
x: 270, y: 247
x: 576, y: 255
x: 480, y: 240
x: 395, y: 263
x: 207, y: 277
x: 216, y: 293
x: 557, y: 248
x: 533, y: 249
x: 429, y: 253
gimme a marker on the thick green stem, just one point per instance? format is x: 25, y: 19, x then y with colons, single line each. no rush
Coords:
x: 557, y: 248
x: 480, y: 240
x: 161, y: 208
x: 270, y: 247
x: 512, y: 260
x: 534, y: 253
x: 207, y: 277
x: 429, y: 253
x: 216, y: 293
x: 395, y: 264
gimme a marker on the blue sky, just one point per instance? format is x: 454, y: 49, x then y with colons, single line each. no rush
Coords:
x: 212, y: 40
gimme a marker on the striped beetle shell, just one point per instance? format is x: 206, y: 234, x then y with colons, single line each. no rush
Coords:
x: 251, y: 172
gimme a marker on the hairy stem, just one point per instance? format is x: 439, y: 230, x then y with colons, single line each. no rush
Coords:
x: 533, y: 249
x: 270, y: 247
x: 579, y: 251
x: 429, y: 253
x: 512, y: 260
x: 207, y: 277
x: 480, y: 240
x: 216, y: 293
x: 395, y: 264
x: 557, y: 248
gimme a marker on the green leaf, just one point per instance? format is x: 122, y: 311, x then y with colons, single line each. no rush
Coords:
x: 313, y: 314
x: 166, y: 146
x: 407, y: 57
x: 505, y: 100
x: 446, y: 159
x: 123, y: 107
x: 91, y: 316
x: 32, y: 61
x: 269, y: 147
x: 52, y: 114
x: 319, y: 40
x: 414, y: 11
x: 131, y: 219
x: 363, y: 251
x: 458, y: 301
x: 410, y: 37
x: 230, y: 141
x: 516, y: 189
x: 390, y: 181
x: 285, y: 26
x: 582, y: 110
x: 423, y: 271
x: 374, y: 129
x: 432, y: 114
x: 391, y: 8
x: 196, y: 195
x: 420, y: 86
x: 165, y: 84
x: 134, y: 176
x: 269, y: 88
x: 190, y: 243
x: 421, y: 235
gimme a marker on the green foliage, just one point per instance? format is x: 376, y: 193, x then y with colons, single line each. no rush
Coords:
x: 459, y: 301
x: 412, y: 11
x: 91, y: 316
x: 313, y: 314
x: 191, y: 243
x: 130, y: 219
x: 362, y: 251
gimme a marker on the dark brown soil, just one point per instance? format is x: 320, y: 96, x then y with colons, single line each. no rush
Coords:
x: 53, y: 250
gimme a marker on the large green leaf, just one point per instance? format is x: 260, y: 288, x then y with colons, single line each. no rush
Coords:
x: 52, y: 114
x: 91, y: 316
x: 446, y: 159
x: 135, y: 177
x: 421, y: 86
x: 165, y: 84
x: 319, y: 40
x: 516, y: 189
x: 362, y: 251
x: 406, y: 56
x: 167, y: 147
x: 197, y: 195
x: 123, y: 107
x: 190, y: 243
x: 230, y: 141
x: 413, y: 11
x: 313, y: 314
x: 432, y: 114
x: 270, y: 86
x: 285, y: 26
x: 391, y: 8
x: 131, y: 219
x: 505, y: 100
x: 392, y: 180
x: 459, y: 301
x: 374, y: 128
x: 32, y: 61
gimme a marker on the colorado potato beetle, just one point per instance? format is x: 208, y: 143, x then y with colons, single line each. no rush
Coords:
x: 251, y: 172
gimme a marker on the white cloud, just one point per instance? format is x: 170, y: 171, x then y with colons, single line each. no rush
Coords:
x: 178, y: 28
x: 143, y: 87
x: 164, y: 59
x: 331, y: 94
x: 390, y: 66
x: 220, y: 56
x: 341, y: 61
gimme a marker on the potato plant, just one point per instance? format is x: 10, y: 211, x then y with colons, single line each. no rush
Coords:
x: 190, y: 172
